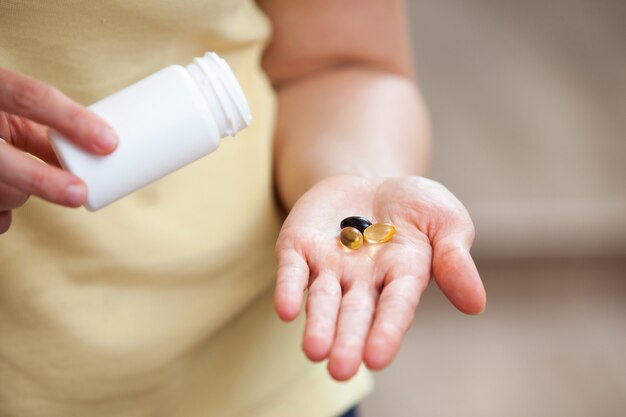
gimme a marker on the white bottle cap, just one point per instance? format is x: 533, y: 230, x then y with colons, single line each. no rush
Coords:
x: 222, y: 92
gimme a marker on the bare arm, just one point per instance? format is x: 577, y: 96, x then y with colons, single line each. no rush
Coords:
x: 352, y: 139
x: 348, y: 103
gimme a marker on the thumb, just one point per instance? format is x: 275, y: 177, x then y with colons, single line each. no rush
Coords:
x: 451, y: 236
x: 457, y: 276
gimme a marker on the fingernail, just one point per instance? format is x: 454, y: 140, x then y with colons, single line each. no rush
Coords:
x: 75, y: 194
x: 106, y: 140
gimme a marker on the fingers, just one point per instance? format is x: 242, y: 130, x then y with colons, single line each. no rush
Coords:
x: 406, y: 278
x: 456, y: 274
x: 322, y: 308
x: 355, y: 318
x: 292, y: 278
x: 27, y: 136
x: 27, y: 175
x: 394, y: 314
x: 451, y: 233
x: 24, y: 103
x: 42, y: 103
x: 11, y: 198
x: 5, y: 221
x: 452, y: 236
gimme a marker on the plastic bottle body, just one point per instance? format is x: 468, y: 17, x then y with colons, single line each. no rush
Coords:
x: 164, y: 122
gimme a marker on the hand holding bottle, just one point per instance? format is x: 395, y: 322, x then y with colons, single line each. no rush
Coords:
x: 27, y: 108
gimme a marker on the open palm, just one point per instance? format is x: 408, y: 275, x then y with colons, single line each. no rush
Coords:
x: 361, y: 302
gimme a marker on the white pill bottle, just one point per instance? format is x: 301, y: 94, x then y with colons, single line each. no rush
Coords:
x: 164, y: 122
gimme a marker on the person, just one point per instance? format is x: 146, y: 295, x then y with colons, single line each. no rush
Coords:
x: 161, y: 304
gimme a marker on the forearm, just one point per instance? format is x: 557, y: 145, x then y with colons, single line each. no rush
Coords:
x: 352, y: 119
x: 349, y: 109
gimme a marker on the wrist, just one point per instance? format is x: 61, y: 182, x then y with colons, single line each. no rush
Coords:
x: 289, y: 196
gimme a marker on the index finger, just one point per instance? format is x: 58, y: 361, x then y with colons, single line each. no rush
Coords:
x: 42, y: 103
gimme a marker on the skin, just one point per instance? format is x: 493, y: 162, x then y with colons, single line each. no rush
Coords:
x: 28, y: 108
x: 352, y: 139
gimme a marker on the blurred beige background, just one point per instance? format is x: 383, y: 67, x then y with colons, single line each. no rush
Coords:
x: 528, y: 100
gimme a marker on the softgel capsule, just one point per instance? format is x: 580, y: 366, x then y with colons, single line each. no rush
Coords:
x: 356, y: 230
x: 351, y: 237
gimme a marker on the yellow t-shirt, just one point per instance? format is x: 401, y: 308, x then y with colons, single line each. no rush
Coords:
x: 160, y: 304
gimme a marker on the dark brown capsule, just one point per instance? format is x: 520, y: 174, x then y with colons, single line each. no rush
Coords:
x: 358, y: 222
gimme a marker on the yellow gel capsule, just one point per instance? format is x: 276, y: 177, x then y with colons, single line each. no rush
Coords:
x: 351, y: 238
x: 379, y: 233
